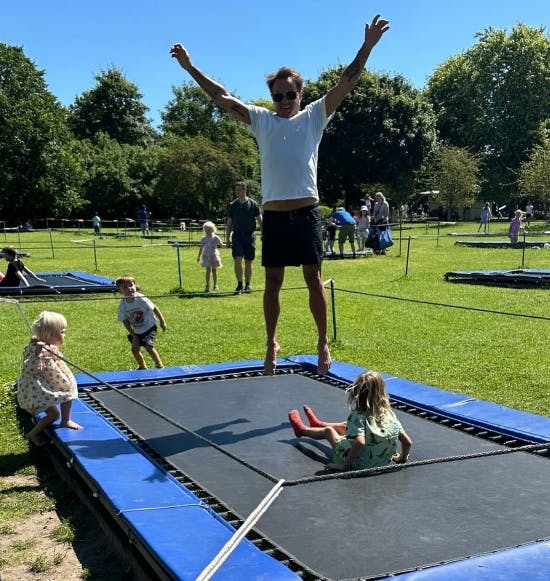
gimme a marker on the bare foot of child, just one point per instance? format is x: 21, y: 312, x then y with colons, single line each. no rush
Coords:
x: 270, y: 362
x: 70, y: 424
x: 324, y: 361
x: 35, y: 439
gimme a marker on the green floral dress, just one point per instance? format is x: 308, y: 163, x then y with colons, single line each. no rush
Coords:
x: 380, y: 439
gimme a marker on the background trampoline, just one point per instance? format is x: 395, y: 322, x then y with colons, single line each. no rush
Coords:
x: 189, y: 452
x: 62, y: 283
x: 518, y: 277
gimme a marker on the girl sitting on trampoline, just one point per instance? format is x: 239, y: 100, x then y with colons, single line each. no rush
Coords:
x: 46, y: 379
x: 369, y: 437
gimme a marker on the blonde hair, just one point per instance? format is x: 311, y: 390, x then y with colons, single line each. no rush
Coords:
x: 368, y: 395
x: 124, y: 280
x: 209, y: 227
x: 48, y: 322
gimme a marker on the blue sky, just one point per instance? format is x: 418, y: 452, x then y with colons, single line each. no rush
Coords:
x: 238, y: 42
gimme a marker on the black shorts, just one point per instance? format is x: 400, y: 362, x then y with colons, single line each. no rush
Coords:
x: 243, y: 245
x: 146, y: 339
x: 292, y: 238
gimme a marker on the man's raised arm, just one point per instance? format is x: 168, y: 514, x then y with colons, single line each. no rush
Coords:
x: 213, y: 89
x: 373, y: 33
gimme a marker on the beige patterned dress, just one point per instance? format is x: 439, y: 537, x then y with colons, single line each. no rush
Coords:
x: 45, y: 379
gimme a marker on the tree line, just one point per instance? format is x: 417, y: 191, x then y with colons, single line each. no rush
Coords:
x: 479, y: 130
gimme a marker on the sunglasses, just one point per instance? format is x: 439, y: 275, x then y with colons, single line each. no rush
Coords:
x: 290, y: 96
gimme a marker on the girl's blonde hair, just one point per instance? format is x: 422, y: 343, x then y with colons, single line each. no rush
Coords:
x: 368, y: 395
x: 209, y: 227
x: 48, y: 322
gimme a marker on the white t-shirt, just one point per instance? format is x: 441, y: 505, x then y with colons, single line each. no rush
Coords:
x: 289, y: 150
x: 138, y: 312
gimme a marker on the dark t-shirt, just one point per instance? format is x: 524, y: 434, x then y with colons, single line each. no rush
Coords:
x: 11, y: 278
x: 243, y: 216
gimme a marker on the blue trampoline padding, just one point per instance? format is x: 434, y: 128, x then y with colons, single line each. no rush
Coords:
x: 526, y: 563
x: 171, y: 373
x: 85, y: 276
x: 175, y: 524
x: 189, y: 538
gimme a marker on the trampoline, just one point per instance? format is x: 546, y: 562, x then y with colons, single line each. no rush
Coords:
x: 519, y: 277
x: 180, y: 456
x: 502, y: 243
x: 62, y: 283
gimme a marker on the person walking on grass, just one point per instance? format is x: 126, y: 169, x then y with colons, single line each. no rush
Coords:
x: 288, y: 140
x: 209, y: 255
x: 242, y: 215
x: 139, y: 316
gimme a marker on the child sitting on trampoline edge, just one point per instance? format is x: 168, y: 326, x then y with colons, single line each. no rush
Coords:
x: 369, y: 437
x: 209, y: 255
x: 139, y: 315
x: 46, y: 379
x: 15, y: 273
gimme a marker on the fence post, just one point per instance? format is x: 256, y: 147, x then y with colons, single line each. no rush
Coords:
x: 408, y: 254
x: 95, y: 255
x: 179, y: 263
x: 51, y: 242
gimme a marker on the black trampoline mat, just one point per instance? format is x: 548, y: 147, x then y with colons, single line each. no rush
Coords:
x: 341, y: 528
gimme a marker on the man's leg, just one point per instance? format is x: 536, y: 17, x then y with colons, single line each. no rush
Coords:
x: 274, y: 277
x: 319, y: 309
x: 247, y: 271
x: 238, y: 266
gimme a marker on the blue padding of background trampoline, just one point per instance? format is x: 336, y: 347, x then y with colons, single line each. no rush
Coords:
x: 173, y: 523
x: 189, y: 538
x: 527, y: 563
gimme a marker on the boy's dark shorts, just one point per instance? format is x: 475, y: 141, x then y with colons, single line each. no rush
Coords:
x: 146, y: 339
x: 243, y: 244
x: 292, y: 238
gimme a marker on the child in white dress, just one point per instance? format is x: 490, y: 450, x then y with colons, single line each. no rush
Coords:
x: 209, y: 255
x: 46, y: 379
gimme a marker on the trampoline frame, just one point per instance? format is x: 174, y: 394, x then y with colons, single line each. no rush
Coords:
x: 527, y: 561
x: 86, y: 283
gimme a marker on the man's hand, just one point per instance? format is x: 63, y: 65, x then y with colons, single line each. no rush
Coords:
x: 374, y: 31
x: 179, y: 52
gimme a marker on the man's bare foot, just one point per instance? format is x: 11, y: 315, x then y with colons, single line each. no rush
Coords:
x: 70, y: 424
x: 324, y: 361
x: 35, y: 439
x: 270, y: 362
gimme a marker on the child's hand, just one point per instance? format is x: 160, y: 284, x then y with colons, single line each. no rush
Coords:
x: 399, y: 458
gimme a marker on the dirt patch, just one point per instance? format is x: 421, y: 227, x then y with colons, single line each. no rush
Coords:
x: 29, y: 549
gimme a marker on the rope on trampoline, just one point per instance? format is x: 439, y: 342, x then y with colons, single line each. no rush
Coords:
x: 395, y: 467
x: 241, y: 533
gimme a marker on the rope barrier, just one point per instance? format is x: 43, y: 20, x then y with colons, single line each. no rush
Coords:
x: 241, y: 533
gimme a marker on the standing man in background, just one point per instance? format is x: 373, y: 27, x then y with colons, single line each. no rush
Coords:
x: 242, y: 215
x: 288, y: 139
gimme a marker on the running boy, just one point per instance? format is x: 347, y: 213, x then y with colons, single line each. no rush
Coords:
x: 139, y: 315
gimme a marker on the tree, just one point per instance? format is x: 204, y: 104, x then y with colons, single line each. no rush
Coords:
x: 381, y: 133
x: 113, y: 107
x: 492, y: 98
x: 195, y: 178
x: 192, y: 114
x: 454, y: 173
x: 40, y: 174
x: 119, y: 177
x: 534, y: 174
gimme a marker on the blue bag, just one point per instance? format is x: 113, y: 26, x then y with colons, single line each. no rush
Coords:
x: 384, y: 238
